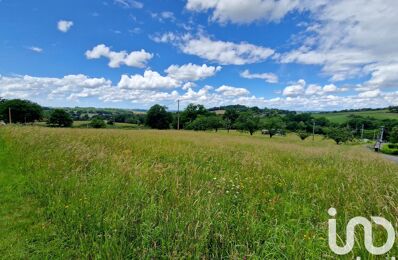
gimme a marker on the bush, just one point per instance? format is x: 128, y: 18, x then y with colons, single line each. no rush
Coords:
x: 60, y: 118
x: 303, y: 135
x: 339, y: 135
x: 390, y: 149
x: 97, y: 123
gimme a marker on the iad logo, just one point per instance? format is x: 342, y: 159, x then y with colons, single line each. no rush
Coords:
x: 350, y: 237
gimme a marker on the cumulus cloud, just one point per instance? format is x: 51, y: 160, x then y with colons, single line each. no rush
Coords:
x: 192, y: 72
x: 138, y: 59
x: 150, y: 80
x: 237, y: 11
x: 352, y: 39
x: 232, y: 91
x: 150, y: 88
x: 64, y: 26
x: 268, y: 77
x: 222, y: 52
x: 300, y: 89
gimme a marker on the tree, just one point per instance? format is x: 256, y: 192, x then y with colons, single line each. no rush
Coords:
x: 230, y: 116
x: 22, y: 111
x: 60, y: 118
x: 97, y: 123
x: 215, y: 122
x: 394, y: 135
x: 248, y: 121
x: 274, y: 125
x: 393, y: 109
x: 157, y: 117
x: 191, y: 112
x: 340, y: 135
x: 303, y: 134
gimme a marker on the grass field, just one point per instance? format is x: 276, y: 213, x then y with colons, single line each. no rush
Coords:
x: 86, y: 193
x: 341, y: 117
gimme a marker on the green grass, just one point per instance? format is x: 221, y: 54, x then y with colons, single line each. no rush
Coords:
x: 86, y: 193
x: 341, y: 117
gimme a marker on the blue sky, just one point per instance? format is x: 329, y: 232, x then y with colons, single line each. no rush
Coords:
x: 291, y: 54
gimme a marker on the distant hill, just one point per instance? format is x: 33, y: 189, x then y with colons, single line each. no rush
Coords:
x: 341, y: 116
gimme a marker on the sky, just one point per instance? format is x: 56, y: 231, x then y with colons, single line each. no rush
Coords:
x: 303, y: 55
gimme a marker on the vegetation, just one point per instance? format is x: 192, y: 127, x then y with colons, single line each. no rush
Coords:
x: 60, y: 118
x: 97, y: 123
x: 248, y: 121
x: 140, y: 194
x: 158, y: 117
x: 303, y: 134
x: 22, y: 111
x: 391, y: 149
x: 340, y: 135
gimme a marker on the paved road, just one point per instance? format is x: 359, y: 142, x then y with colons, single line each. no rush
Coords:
x: 390, y: 157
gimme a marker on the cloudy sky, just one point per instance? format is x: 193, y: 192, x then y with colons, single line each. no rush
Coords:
x: 290, y: 54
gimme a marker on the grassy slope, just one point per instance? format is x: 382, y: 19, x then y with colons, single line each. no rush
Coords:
x: 167, y: 194
x: 341, y: 117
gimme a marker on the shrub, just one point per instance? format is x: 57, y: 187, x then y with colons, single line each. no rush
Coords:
x: 97, y: 123
x: 340, y: 135
x: 303, y: 134
x: 60, y: 118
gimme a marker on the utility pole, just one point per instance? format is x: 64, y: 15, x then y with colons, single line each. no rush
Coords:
x: 363, y: 128
x: 9, y: 115
x: 382, y: 134
x: 178, y: 114
x: 313, y: 130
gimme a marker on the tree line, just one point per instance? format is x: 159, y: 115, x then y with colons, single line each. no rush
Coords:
x: 196, y: 117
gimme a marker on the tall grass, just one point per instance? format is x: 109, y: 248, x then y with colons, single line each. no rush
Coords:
x: 153, y: 194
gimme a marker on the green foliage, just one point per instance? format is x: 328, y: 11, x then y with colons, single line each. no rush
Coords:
x: 303, y: 134
x: 157, y: 117
x: 97, y: 123
x: 22, y: 111
x: 390, y: 149
x: 393, y: 109
x: 60, y: 118
x: 230, y: 116
x: 394, y: 135
x: 273, y: 125
x: 191, y: 112
x: 203, y: 123
x: 340, y: 135
x: 248, y: 121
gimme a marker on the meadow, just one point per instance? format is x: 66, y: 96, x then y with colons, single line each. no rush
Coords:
x: 341, y: 117
x: 87, y: 193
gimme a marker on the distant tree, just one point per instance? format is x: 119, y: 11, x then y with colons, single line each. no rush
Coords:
x: 199, y: 124
x: 393, y: 109
x: 230, y: 116
x: 191, y: 112
x: 248, y: 121
x: 274, y: 125
x: 215, y: 122
x: 22, y: 111
x: 157, y: 117
x: 60, y: 118
x: 110, y: 121
x: 394, y: 135
x: 97, y: 123
x: 303, y: 134
x: 340, y: 135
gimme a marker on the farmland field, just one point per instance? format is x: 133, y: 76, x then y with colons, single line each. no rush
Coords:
x: 86, y: 193
x: 341, y: 117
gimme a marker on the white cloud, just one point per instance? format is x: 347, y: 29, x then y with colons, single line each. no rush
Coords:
x: 35, y: 49
x: 295, y: 90
x: 162, y: 16
x: 136, y: 59
x: 232, y: 91
x: 64, y: 26
x: 192, y: 72
x: 268, y: 77
x: 158, y: 89
x: 238, y: 11
x: 129, y: 4
x: 352, y: 39
x: 150, y: 80
x: 224, y: 53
